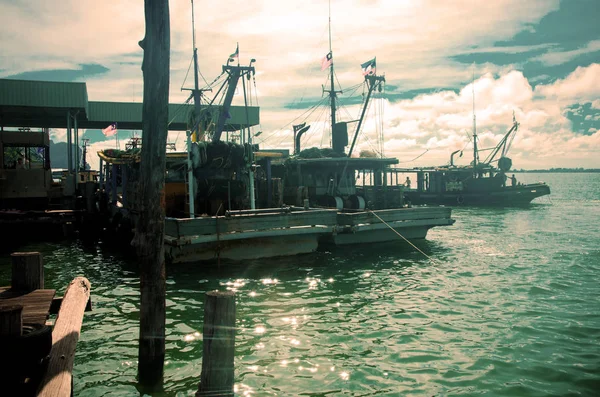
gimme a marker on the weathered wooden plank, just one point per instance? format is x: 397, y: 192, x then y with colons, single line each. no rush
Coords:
x: 203, y: 226
x: 393, y: 215
x: 57, y: 381
x: 36, y: 304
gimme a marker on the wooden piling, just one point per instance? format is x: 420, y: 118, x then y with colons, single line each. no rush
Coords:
x: 217, y: 375
x: 27, y: 271
x: 58, y: 379
x: 149, y: 234
x: 11, y: 321
x: 90, y: 197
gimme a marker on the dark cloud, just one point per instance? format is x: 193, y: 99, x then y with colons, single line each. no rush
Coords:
x: 84, y: 71
x: 584, y: 117
x: 572, y: 25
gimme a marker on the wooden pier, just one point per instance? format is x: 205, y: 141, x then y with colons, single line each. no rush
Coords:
x: 38, y: 358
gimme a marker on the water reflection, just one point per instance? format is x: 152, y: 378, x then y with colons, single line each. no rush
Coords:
x: 507, y: 300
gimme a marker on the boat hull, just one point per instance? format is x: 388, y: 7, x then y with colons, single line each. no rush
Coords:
x: 505, y: 197
x: 243, y: 249
x: 246, y: 235
x: 387, y: 225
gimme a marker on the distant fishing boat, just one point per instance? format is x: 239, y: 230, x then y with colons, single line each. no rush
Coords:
x: 480, y: 183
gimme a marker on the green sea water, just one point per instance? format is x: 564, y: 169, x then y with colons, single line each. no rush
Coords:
x: 509, y: 306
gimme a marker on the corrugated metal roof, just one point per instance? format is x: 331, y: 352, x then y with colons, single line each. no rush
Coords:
x: 132, y: 112
x: 25, y: 103
x: 179, y: 114
x: 43, y: 94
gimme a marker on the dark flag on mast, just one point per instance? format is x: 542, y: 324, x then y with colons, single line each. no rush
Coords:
x: 236, y: 54
x: 369, y: 68
x: 327, y: 61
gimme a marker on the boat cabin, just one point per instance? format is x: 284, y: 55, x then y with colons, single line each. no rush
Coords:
x: 458, y: 179
x: 341, y: 182
x: 25, y: 176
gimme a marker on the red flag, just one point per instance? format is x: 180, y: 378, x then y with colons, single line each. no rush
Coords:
x: 110, y: 130
x: 327, y: 61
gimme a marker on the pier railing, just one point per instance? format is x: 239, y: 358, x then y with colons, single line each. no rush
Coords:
x: 177, y: 227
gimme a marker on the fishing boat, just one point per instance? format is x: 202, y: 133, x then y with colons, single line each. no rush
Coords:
x: 364, y: 191
x: 209, y: 196
x: 480, y: 183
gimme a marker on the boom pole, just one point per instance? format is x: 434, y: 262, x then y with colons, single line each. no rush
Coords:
x: 475, y: 154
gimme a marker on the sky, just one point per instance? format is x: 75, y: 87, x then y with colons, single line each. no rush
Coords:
x: 536, y: 59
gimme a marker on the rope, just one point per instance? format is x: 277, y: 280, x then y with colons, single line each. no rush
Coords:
x: 405, y: 239
x: 409, y: 161
x: 186, y: 73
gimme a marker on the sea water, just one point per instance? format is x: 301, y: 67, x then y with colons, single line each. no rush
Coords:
x: 505, y: 302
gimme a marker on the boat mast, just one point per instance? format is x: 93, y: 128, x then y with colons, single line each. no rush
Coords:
x: 475, y: 154
x: 373, y: 81
x: 197, y: 95
x: 84, y: 154
x: 332, y: 92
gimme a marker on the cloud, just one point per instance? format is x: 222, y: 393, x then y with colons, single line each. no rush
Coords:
x: 429, y: 100
x: 435, y: 124
x: 580, y: 86
x: 554, y: 57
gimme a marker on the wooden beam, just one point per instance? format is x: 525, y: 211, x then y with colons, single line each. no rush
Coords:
x: 217, y: 375
x: 149, y: 234
x: 57, y: 381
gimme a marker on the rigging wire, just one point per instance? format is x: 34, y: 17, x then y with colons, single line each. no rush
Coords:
x: 404, y: 238
x: 410, y: 161
x: 304, y: 115
x: 187, y: 73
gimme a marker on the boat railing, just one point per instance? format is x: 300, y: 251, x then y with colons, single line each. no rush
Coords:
x: 250, y: 221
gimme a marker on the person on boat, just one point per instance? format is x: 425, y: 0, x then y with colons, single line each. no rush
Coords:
x: 407, y: 183
x: 20, y: 165
x: 513, y: 180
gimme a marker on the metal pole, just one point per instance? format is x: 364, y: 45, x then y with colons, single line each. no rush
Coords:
x: 69, y: 149
x: 251, y: 152
x: 197, y: 96
x: 76, y: 165
x: 190, y: 178
x: 101, y: 176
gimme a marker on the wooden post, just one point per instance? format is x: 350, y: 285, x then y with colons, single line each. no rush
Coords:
x: 149, y: 234
x: 219, y: 345
x: 11, y: 321
x: 58, y: 379
x: 90, y: 190
x: 27, y: 271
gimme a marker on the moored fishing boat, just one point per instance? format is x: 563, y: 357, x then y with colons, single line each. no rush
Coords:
x: 480, y: 183
x: 209, y: 196
x: 373, y: 212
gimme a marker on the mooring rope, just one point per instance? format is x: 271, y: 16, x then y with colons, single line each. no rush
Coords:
x: 405, y: 239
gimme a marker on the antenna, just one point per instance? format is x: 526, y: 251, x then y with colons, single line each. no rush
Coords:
x: 475, y: 154
x: 332, y: 91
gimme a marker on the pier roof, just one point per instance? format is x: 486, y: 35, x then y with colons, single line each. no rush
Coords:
x: 44, y: 104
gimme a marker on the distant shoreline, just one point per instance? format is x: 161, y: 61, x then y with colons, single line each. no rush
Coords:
x: 561, y: 170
